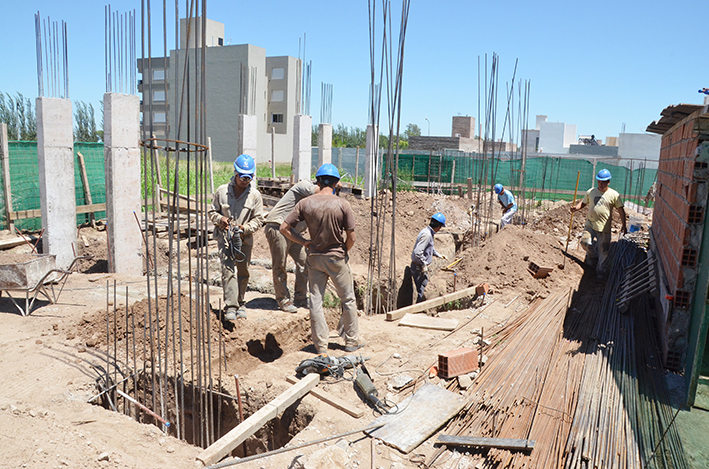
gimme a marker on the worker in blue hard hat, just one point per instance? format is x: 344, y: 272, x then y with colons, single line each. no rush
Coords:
x: 507, y: 202
x: 237, y: 213
x: 596, y: 236
x: 331, y: 225
x: 423, y: 253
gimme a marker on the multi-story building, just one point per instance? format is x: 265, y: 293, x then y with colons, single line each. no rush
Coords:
x: 240, y: 79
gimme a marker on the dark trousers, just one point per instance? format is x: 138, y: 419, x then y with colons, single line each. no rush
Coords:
x: 420, y: 280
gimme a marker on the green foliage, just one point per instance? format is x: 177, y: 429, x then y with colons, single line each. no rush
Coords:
x: 330, y: 301
x: 263, y: 170
x: 19, y: 116
x: 85, y: 123
x: 412, y: 130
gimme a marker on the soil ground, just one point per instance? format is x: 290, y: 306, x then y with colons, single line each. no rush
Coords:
x: 49, y: 360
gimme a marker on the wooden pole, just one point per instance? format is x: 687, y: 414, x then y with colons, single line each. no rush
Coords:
x: 470, y: 188
x: 571, y: 222
x: 273, y: 153
x: 87, y: 188
x: 211, y: 170
x: 5, y: 157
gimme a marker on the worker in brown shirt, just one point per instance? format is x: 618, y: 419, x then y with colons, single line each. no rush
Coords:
x: 331, y: 225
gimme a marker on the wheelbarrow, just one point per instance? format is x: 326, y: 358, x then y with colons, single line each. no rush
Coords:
x: 38, y: 276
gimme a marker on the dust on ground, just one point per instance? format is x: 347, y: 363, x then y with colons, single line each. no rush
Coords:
x: 49, y: 359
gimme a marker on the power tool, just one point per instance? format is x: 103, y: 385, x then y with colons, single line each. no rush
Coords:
x: 334, y: 366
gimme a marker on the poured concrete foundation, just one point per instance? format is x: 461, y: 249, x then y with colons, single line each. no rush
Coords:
x: 55, y: 150
x: 122, y: 159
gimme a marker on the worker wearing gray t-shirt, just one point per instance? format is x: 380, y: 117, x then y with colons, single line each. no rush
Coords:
x: 281, y: 247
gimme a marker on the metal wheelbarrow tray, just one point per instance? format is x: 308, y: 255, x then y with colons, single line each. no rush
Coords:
x: 37, y: 276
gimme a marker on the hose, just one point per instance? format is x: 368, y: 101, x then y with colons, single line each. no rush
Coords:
x: 234, y: 243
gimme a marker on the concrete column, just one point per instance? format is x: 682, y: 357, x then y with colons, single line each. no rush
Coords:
x: 55, y: 149
x: 122, y: 162
x: 302, y: 149
x: 247, y: 136
x: 371, y: 161
x: 324, y: 144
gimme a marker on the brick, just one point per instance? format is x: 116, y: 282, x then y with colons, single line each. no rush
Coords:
x: 457, y: 362
x: 482, y: 289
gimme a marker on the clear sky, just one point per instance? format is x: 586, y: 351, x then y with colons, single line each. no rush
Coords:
x: 598, y: 65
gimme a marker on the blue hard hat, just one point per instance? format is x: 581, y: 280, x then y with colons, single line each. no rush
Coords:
x: 440, y: 218
x: 498, y: 188
x: 328, y: 170
x: 245, y: 165
x: 603, y: 175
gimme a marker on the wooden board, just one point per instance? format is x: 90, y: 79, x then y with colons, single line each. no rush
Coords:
x: 226, y: 444
x: 419, y: 417
x: 500, y: 443
x: 428, y: 322
x: 11, y: 243
x: 334, y: 401
x: 399, y: 313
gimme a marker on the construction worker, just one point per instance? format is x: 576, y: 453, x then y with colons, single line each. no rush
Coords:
x: 281, y: 247
x: 237, y: 213
x: 596, y: 236
x: 507, y: 201
x: 331, y: 225
x: 422, y: 255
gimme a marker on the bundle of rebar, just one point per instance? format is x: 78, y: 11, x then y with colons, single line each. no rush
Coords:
x: 623, y: 418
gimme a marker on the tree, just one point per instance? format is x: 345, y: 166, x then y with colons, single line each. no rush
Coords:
x: 85, y: 124
x: 412, y: 130
x: 19, y: 116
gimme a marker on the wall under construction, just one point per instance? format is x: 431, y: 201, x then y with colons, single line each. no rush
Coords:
x: 678, y: 232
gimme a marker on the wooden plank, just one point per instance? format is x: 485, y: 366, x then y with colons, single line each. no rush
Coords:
x: 428, y: 322
x: 334, y: 401
x: 11, y: 243
x: 501, y: 443
x: 87, y: 188
x: 420, y: 415
x: 5, y: 158
x: 399, y: 313
x: 22, y: 214
x: 226, y: 444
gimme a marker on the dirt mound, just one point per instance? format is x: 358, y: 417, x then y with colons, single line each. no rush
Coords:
x: 502, y: 261
x: 555, y: 221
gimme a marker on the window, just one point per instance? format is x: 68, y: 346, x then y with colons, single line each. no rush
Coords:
x: 277, y: 118
x: 277, y: 74
x: 158, y: 74
x: 277, y: 95
x: 159, y: 117
x: 159, y: 96
x: 220, y: 41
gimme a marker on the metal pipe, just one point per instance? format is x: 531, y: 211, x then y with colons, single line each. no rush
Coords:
x: 150, y: 412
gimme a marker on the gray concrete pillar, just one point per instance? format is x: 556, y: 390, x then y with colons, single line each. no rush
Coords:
x: 302, y: 148
x: 371, y: 161
x: 247, y: 136
x: 57, y: 192
x: 122, y: 163
x: 324, y: 144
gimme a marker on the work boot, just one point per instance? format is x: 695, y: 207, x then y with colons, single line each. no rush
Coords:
x: 288, y: 307
x: 301, y: 303
x: 354, y: 348
x: 241, y: 312
x: 230, y: 313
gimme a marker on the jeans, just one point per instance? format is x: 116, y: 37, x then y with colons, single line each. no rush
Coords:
x: 420, y: 280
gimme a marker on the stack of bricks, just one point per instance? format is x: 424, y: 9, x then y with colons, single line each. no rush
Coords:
x: 677, y: 225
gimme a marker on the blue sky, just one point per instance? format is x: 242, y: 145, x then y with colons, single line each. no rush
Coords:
x: 598, y: 65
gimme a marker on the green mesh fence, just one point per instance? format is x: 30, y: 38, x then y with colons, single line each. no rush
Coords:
x: 24, y: 181
x: 544, y: 176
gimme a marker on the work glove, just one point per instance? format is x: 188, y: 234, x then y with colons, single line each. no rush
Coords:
x: 444, y: 257
x: 424, y: 269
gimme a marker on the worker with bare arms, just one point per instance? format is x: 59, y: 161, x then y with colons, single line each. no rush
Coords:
x: 596, y: 237
x: 331, y: 225
x: 237, y: 213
